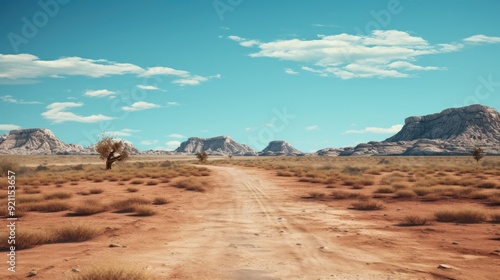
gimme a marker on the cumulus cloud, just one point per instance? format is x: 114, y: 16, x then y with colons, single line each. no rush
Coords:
x: 176, y: 135
x: 482, y: 39
x: 145, y: 87
x: 26, y: 68
x: 11, y: 99
x: 122, y: 133
x: 312, y: 127
x: 9, y: 127
x: 378, y: 130
x: 99, y: 93
x: 381, y: 54
x: 57, y: 113
x: 140, y: 105
x: 290, y: 71
x: 169, y: 146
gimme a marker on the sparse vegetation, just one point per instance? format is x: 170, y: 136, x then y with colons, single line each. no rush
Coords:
x: 414, y: 220
x: 160, y: 200
x: 478, y: 154
x: 191, y: 184
x: 111, y: 151
x: 112, y: 272
x: 367, y: 205
x: 89, y: 207
x: 466, y: 216
x: 58, y: 195
x: 202, y: 156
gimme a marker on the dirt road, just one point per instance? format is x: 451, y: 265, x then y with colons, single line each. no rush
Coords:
x: 251, y: 230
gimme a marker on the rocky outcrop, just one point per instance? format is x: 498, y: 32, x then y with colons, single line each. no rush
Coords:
x: 455, y: 131
x: 280, y: 148
x: 36, y: 141
x: 221, y: 145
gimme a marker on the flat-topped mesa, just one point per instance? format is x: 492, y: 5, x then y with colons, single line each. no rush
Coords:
x: 279, y: 147
x: 220, y: 145
x: 470, y: 123
x: 36, y: 141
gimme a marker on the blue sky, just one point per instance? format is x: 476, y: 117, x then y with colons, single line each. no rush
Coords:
x: 315, y: 73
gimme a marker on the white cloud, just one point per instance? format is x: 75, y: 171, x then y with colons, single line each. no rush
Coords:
x: 9, y: 127
x: 381, y: 54
x: 153, y: 71
x: 149, y: 142
x: 57, y: 114
x: 171, y: 103
x: 11, y: 99
x: 249, y: 129
x: 480, y: 39
x: 145, y: 87
x: 290, y: 71
x: 393, y: 129
x: 99, y: 93
x: 312, y: 127
x: 176, y: 135
x: 122, y: 133
x: 27, y: 66
x: 140, y: 105
x: 172, y: 145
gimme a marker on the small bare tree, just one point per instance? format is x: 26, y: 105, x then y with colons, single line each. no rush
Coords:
x: 111, y: 151
x: 202, y: 156
x: 478, y: 154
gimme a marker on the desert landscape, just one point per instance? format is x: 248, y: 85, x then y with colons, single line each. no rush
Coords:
x: 258, y: 218
x: 249, y: 140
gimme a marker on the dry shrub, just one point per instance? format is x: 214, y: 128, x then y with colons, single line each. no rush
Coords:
x: 132, y: 189
x: 33, y: 190
x: 152, y: 183
x: 28, y: 238
x: 96, y: 191
x: 29, y: 198
x: 495, y: 217
x: 494, y: 199
x: 352, y: 171
x: 414, y: 220
x: 400, y: 186
x: 77, y: 232
x: 367, y: 205
x: 466, y: 216
x: 58, y: 195
x: 160, y: 200
x: 384, y: 189
x: 339, y: 194
x: 49, y: 206
x: 7, y: 165
x: 112, y: 272
x: 191, y: 184
x: 128, y: 205
x: 137, y: 182
x: 405, y: 194
x: 421, y: 191
x: 487, y: 185
x: 143, y: 210
x: 89, y: 207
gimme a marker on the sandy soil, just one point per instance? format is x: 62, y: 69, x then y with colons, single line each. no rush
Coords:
x: 254, y: 225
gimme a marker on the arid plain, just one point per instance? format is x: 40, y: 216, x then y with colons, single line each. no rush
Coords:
x: 254, y: 218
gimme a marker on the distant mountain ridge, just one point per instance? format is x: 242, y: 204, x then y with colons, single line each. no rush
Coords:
x: 220, y: 145
x: 454, y: 131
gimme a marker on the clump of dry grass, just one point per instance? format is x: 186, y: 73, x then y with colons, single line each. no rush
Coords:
x: 405, y: 194
x: 49, y: 206
x: 143, y: 210
x: 367, y: 205
x: 340, y: 194
x: 352, y: 171
x: 284, y: 173
x: 191, y: 184
x: 414, y: 220
x: 96, y: 191
x: 28, y: 238
x: 495, y: 217
x: 58, y: 195
x: 89, y: 207
x: 29, y: 198
x: 384, y: 189
x: 112, y: 272
x: 137, y: 182
x: 132, y: 189
x: 487, y: 185
x: 31, y: 190
x: 160, y: 200
x: 152, y: 183
x: 127, y: 205
x: 466, y: 216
